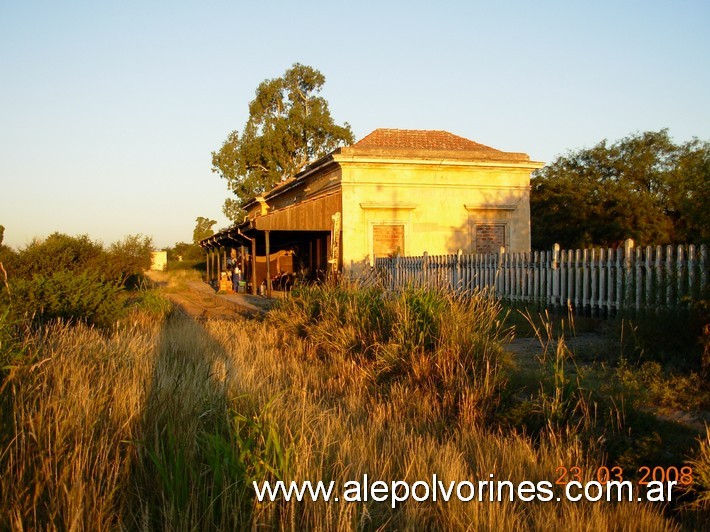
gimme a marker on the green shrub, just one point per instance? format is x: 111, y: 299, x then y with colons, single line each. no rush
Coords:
x: 657, y: 387
x: 669, y: 336
x: 126, y: 260
x: 58, y: 252
x: 76, y: 297
x: 73, y: 278
x: 122, y: 263
x: 153, y: 302
x: 12, y: 349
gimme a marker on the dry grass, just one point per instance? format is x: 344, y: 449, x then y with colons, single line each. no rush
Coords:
x: 331, y: 414
x: 163, y: 425
x: 701, y: 474
x: 74, y: 415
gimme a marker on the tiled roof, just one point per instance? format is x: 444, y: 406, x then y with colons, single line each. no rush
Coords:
x: 420, y: 139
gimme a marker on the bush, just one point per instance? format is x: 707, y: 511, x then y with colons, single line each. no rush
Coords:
x: 659, y: 388
x: 123, y: 263
x: 12, y: 349
x: 153, y: 303
x: 127, y: 259
x: 76, y: 297
x: 58, y: 252
x: 669, y: 336
x: 72, y: 278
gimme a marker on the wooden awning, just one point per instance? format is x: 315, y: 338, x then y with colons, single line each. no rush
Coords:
x: 310, y: 215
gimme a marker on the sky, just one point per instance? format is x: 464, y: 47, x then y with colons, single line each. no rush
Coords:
x: 109, y: 111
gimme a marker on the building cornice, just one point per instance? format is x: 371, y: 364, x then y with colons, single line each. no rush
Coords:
x: 389, y: 206
x: 490, y: 207
x: 358, y: 160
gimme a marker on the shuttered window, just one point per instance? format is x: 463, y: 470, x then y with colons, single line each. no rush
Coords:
x: 489, y: 238
x: 387, y: 240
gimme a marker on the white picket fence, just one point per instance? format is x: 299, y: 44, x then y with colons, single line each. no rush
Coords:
x: 590, y: 281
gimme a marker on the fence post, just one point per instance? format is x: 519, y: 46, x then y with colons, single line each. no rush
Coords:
x: 555, y: 274
x: 504, y: 269
x: 691, y: 273
x: 594, y: 288
x: 628, y: 278
x: 703, y: 268
x: 619, y: 279
x: 528, y: 276
x: 578, y: 280
x: 476, y: 278
x: 397, y: 273
x: 536, y: 278
x: 609, y: 280
x: 658, y: 277
x: 649, y: 278
x: 669, y: 276
x: 425, y: 269
x: 585, y: 280
x: 487, y: 272
x: 574, y: 280
x: 639, y: 279
x: 563, y: 278
x: 680, y: 273
x: 499, y: 272
x: 602, y: 281
x: 466, y: 272
x: 457, y: 273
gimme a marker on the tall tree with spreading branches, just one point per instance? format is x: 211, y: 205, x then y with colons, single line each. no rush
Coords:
x: 289, y: 126
x: 203, y: 229
x: 644, y: 187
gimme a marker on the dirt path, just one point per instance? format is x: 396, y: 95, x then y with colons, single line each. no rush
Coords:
x: 199, y: 307
x: 197, y: 300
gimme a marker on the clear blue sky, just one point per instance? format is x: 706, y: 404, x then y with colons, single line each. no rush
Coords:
x: 109, y: 110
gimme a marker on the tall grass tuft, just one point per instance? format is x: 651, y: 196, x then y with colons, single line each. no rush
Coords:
x: 66, y: 450
x: 701, y: 474
x: 448, y: 347
x: 343, y: 422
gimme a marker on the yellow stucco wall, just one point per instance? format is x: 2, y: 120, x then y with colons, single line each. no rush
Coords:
x: 439, y: 203
x: 159, y: 260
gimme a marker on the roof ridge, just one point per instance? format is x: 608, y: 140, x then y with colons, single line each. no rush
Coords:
x: 422, y: 139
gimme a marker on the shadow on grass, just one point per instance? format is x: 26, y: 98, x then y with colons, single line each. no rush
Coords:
x: 198, y: 456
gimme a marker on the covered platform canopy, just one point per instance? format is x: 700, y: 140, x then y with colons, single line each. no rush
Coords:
x: 304, y: 228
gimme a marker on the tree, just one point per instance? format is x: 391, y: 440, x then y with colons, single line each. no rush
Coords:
x: 643, y: 187
x: 127, y: 259
x: 232, y: 210
x: 185, y: 251
x: 692, y: 195
x: 203, y: 229
x: 289, y: 126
